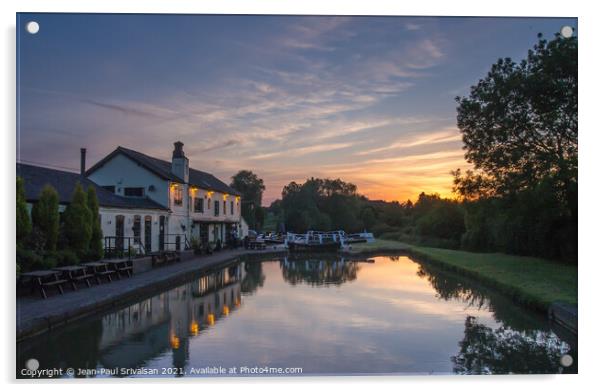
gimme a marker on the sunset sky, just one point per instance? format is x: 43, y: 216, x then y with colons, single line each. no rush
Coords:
x: 366, y: 99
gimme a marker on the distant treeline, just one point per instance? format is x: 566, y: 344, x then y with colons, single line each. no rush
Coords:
x: 519, y: 129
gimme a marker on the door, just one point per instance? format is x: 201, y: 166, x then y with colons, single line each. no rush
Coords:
x: 137, y: 229
x: 161, y: 232
x: 119, y: 230
x: 148, y: 237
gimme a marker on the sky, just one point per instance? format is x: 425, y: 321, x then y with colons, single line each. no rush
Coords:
x: 369, y: 100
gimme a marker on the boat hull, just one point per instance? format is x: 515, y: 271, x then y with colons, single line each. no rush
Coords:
x: 298, y: 247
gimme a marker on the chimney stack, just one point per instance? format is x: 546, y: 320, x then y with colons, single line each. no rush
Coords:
x: 179, y: 162
x: 82, y: 162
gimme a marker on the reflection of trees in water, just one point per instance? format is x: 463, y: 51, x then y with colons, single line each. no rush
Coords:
x: 318, y: 271
x: 451, y: 286
x: 503, y: 350
x: 254, y: 277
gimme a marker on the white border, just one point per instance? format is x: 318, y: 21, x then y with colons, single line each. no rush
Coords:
x: 589, y: 220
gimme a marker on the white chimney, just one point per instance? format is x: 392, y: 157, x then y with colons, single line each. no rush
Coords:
x: 179, y: 162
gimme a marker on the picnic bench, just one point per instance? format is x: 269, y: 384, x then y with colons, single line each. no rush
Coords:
x: 164, y: 257
x: 42, y: 280
x: 74, y: 274
x: 99, y: 270
x: 258, y: 245
x: 121, y: 266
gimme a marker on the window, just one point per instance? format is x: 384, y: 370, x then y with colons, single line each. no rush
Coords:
x: 209, y: 204
x: 137, y: 228
x: 177, y: 195
x: 110, y: 188
x: 216, y: 208
x: 199, y: 205
x: 231, y: 208
x: 224, y: 207
x: 133, y: 192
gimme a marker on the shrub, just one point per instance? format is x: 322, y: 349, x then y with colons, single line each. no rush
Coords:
x: 78, y: 223
x: 66, y: 257
x: 45, y: 217
x: 95, y: 251
x: 23, y: 222
x: 380, y: 228
x: 28, y: 259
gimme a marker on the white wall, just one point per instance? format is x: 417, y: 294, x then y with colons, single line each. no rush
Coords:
x: 122, y: 172
x: 108, y: 223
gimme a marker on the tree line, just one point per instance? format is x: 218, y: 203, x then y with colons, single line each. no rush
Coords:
x: 519, y: 130
x: 47, y: 238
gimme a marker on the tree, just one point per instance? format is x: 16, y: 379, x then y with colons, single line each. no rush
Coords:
x: 23, y: 222
x: 77, y: 224
x: 519, y: 128
x: 96, y: 247
x: 45, y: 218
x: 519, y: 123
x: 251, y: 187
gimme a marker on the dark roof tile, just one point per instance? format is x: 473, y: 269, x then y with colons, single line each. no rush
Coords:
x: 36, y: 177
x: 163, y: 169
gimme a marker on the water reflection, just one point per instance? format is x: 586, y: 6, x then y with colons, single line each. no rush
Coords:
x: 519, y: 345
x: 319, y: 270
x: 503, y: 350
x: 324, y: 313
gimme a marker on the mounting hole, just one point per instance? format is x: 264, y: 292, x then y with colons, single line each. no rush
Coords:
x: 566, y: 360
x: 32, y: 27
x: 566, y: 31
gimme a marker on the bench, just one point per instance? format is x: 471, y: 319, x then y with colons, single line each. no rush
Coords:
x: 58, y: 283
x: 100, y: 270
x: 257, y: 245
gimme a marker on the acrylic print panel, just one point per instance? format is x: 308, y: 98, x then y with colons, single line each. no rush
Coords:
x: 222, y: 196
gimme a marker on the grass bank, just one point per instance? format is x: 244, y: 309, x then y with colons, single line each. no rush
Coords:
x: 531, y: 281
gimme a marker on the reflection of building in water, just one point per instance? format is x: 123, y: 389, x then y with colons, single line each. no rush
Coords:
x: 319, y: 271
x: 140, y: 332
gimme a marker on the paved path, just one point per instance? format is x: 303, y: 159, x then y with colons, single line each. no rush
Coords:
x: 35, y: 315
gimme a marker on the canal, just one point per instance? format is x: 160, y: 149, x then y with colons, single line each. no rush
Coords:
x: 311, y: 315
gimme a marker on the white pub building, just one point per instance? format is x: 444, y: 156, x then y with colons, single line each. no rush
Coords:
x: 155, y: 203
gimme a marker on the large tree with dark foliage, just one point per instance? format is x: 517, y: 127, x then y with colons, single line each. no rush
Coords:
x: 251, y: 187
x: 519, y: 128
x: 321, y: 204
x: 519, y: 123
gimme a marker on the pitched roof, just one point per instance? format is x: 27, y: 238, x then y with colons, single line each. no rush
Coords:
x: 36, y: 177
x: 162, y: 169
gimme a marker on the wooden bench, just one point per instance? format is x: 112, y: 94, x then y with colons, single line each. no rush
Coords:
x: 257, y: 245
x: 100, y: 270
x: 44, y: 279
x: 75, y: 274
x: 121, y: 266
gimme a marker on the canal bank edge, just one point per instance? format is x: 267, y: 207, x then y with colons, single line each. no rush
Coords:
x: 174, y: 275
x: 563, y: 313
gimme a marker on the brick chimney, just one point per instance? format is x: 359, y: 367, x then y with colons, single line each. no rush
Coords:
x: 179, y: 162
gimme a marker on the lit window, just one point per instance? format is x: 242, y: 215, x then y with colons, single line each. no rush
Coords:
x: 177, y: 195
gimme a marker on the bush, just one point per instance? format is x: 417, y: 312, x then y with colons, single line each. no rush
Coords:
x: 96, y: 249
x: 23, y: 222
x: 78, y: 223
x: 31, y: 261
x: 66, y: 257
x: 380, y: 228
x: 45, y: 217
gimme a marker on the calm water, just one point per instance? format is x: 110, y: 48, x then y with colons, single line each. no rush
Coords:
x: 321, y: 314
